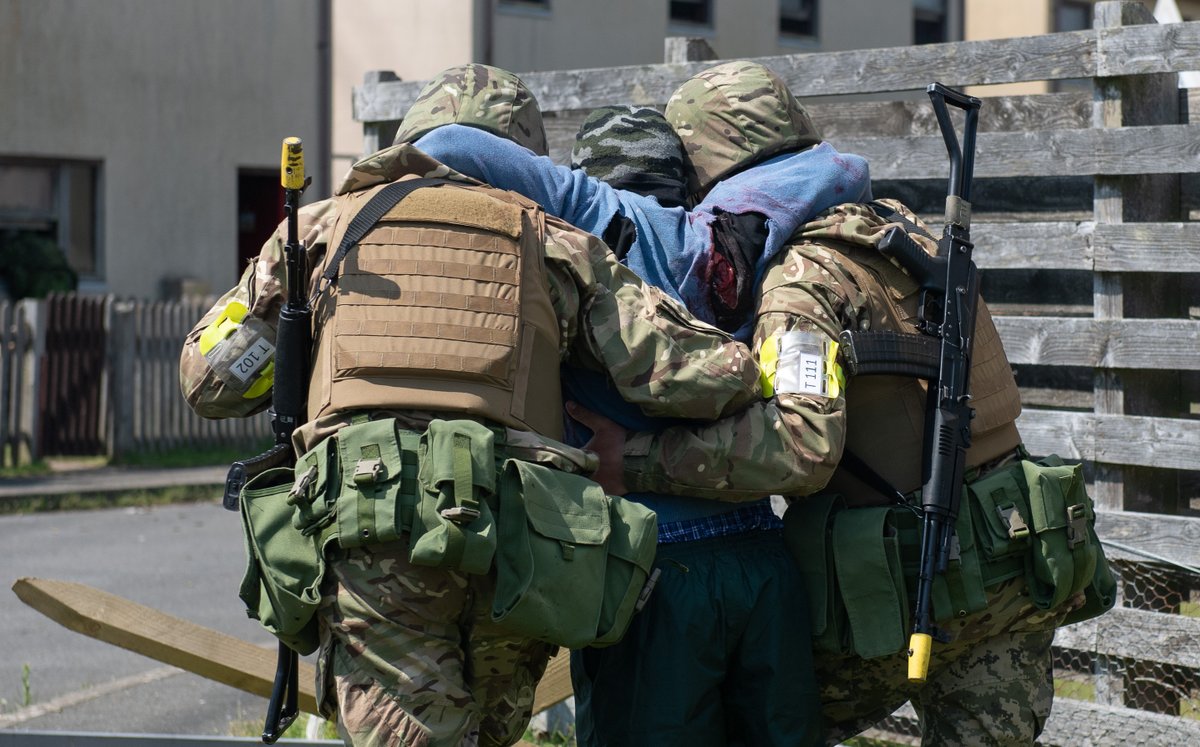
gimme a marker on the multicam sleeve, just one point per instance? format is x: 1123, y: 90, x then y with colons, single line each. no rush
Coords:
x: 659, y: 357
x: 245, y: 314
x: 788, y: 444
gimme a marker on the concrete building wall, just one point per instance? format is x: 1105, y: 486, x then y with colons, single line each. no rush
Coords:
x: 413, y: 38
x: 171, y: 99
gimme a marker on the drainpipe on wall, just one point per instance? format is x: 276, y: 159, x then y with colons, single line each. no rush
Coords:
x: 484, y: 30
x: 321, y: 179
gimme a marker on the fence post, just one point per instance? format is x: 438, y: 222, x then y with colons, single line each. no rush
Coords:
x: 687, y: 49
x: 378, y: 135
x: 29, y: 426
x: 1124, y: 102
x: 120, y: 354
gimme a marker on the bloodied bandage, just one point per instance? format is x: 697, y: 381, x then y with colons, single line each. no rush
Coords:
x: 802, y: 363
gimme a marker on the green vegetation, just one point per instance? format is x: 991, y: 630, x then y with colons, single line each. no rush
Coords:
x: 193, y: 457
x: 26, y: 689
x: 551, y: 740
x: 244, y: 727
x: 1074, y: 689
x: 84, y: 501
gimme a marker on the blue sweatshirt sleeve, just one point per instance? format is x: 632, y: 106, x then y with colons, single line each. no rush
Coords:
x: 564, y: 193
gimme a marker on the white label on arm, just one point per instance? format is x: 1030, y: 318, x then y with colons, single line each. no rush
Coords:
x: 256, y: 356
x: 802, y: 364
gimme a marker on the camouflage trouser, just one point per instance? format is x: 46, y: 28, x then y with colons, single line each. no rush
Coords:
x: 991, y: 685
x: 409, y: 655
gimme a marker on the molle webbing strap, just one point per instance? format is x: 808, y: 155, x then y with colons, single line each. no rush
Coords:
x: 371, y: 213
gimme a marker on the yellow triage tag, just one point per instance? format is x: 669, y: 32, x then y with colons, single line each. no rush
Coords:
x: 803, y: 363
x: 250, y: 355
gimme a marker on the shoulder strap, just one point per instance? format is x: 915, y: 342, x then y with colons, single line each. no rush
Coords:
x: 371, y: 213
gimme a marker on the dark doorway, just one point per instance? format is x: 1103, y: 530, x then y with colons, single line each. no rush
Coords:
x: 259, y: 211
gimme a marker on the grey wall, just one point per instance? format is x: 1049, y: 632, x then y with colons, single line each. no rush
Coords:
x: 172, y: 98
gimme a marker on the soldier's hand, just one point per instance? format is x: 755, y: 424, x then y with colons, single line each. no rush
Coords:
x: 608, y: 442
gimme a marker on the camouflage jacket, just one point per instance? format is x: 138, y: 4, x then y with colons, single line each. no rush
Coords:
x: 788, y: 444
x: 660, y: 357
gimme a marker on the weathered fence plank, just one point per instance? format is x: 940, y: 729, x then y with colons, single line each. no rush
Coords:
x: 1160, y: 149
x: 1126, y: 50
x: 1166, y: 443
x: 1101, y: 343
x: 1162, y: 638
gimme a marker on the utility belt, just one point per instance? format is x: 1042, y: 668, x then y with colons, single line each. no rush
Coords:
x: 1030, y: 520
x: 570, y: 561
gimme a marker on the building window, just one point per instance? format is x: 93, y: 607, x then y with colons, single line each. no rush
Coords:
x: 52, y: 202
x: 798, y: 17
x: 1072, y: 15
x: 691, y: 11
x: 929, y: 22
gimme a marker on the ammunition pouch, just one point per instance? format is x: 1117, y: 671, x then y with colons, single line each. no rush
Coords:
x: 453, y: 525
x: 1027, y: 519
x: 570, y: 561
x: 281, y: 585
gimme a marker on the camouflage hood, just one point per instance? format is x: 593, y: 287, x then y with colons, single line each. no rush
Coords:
x: 734, y: 115
x: 479, y: 96
x: 632, y: 148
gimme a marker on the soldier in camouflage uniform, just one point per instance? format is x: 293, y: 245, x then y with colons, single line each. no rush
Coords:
x: 409, y: 654
x: 991, y: 685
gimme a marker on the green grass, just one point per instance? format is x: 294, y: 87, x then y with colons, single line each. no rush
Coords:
x: 84, y: 501
x: 1190, y: 609
x: 192, y: 457
x: 1074, y: 689
x: 245, y: 727
x: 552, y: 740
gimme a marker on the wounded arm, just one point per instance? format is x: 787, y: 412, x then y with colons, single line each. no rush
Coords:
x: 658, y: 356
x: 789, y: 444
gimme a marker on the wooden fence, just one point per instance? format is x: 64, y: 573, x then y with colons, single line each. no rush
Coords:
x: 100, y: 375
x: 1085, y: 207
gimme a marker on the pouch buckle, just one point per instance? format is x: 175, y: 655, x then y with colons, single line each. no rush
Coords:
x: 299, y: 491
x: 368, y: 471
x: 460, y: 514
x: 1077, y: 525
x: 1013, y: 521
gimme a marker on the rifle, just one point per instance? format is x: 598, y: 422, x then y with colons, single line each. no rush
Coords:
x: 949, y: 285
x: 293, y: 348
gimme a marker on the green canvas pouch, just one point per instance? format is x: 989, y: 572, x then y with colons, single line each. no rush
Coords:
x: 961, y: 591
x: 376, y: 488
x: 1065, y: 554
x: 453, y: 526
x: 312, y: 493
x: 1002, y: 522
x: 284, y: 568
x: 866, y: 553
x: 632, y: 543
x: 552, y: 558
x: 807, y: 527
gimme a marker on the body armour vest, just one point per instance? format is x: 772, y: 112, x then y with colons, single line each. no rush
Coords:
x: 443, y: 305
x: 885, y: 415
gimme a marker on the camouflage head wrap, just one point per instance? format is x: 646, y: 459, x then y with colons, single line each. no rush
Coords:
x: 734, y: 115
x: 479, y: 96
x: 632, y: 148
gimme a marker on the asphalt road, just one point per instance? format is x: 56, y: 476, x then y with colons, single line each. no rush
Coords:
x: 185, y: 560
